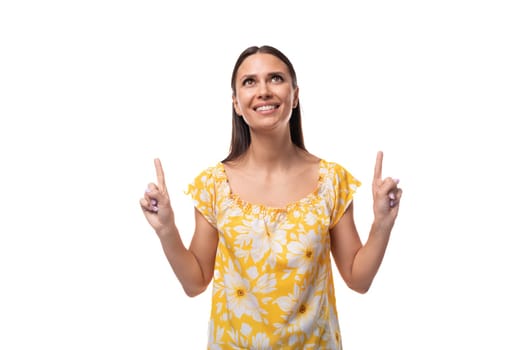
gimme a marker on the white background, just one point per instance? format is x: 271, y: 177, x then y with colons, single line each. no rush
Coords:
x: 92, y: 91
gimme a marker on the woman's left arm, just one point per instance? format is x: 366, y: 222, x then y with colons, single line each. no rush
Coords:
x: 357, y: 263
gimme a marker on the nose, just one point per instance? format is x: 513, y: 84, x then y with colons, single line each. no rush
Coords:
x: 264, y: 90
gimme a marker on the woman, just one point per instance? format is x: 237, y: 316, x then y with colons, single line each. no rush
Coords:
x: 267, y: 218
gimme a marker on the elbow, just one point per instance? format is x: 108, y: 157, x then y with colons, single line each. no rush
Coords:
x: 193, y: 292
x: 361, y: 288
x: 194, y: 287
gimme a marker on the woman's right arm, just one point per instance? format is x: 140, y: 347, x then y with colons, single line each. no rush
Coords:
x: 194, y: 266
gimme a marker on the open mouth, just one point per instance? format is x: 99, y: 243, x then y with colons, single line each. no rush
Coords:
x: 266, y: 108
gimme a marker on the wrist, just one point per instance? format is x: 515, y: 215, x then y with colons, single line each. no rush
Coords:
x: 381, y: 226
x: 166, y: 233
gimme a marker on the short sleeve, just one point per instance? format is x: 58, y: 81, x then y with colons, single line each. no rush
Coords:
x: 344, y: 185
x: 203, y: 192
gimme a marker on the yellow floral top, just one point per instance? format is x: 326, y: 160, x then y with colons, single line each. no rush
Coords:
x: 273, y: 286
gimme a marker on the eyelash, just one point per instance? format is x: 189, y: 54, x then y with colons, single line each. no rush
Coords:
x: 247, y: 81
x: 273, y: 77
x: 280, y: 79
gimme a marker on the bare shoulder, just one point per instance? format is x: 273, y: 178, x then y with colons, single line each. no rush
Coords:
x: 308, y: 162
x: 308, y: 157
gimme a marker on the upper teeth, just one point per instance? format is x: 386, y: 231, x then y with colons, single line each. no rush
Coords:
x: 265, y: 108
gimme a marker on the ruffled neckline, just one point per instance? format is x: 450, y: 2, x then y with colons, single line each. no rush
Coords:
x: 262, y: 208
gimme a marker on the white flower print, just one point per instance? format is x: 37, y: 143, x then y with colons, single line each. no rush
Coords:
x: 293, y: 339
x: 260, y: 341
x: 239, y: 296
x: 300, y: 311
x: 214, y: 336
x: 333, y: 336
x: 225, y: 220
x: 304, y: 317
x: 278, y: 240
x: 310, y: 218
x: 204, y: 196
x: 238, y: 339
x: 265, y: 284
x: 246, y: 329
x: 252, y: 272
x: 273, y: 285
x: 279, y: 237
x: 287, y: 302
x: 302, y: 253
x: 252, y: 240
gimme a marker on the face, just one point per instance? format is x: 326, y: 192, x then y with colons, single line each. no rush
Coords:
x: 265, y: 95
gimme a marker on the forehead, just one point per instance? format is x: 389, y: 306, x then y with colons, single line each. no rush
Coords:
x: 261, y: 63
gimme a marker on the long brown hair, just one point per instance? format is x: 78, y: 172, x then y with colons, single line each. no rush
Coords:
x: 241, y: 138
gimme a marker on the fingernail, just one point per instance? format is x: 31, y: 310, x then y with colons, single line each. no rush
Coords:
x: 155, y: 209
x: 154, y: 202
x: 392, y: 203
x: 396, y: 181
x: 147, y: 190
x: 391, y: 195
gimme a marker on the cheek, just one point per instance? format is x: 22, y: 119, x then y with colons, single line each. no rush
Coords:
x: 242, y: 103
x: 287, y: 95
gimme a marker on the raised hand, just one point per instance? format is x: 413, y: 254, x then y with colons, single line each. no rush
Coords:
x: 386, y: 194
x: 156, y: 203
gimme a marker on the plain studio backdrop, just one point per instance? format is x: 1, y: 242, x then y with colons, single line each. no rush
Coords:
x: 91, y: 92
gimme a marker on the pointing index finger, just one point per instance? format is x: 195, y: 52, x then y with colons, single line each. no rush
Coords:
x: 160, y: 174
x: 379, y: 166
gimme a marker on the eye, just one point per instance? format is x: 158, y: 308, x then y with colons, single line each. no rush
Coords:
x: 276, y: 78
x: 248, y: 82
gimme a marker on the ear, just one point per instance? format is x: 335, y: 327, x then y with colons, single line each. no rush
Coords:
x: 236, y: 105
x: 295, y: 97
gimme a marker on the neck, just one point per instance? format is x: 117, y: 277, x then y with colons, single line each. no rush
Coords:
x: 271, y: 153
